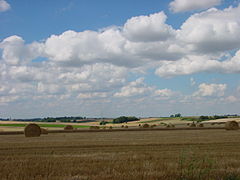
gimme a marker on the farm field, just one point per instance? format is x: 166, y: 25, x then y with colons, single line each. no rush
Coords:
x: 183, y: 155
x: 19, y: 125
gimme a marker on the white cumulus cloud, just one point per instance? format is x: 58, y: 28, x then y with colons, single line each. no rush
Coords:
x: 212, y: 30
x: 133, y: 89
x: 148, y: 28
x: 205, y: 90
x: 195, y: 64
x: 190, y: 5
x: 4, y: 6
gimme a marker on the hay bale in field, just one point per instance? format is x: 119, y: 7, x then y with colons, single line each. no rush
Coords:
x: 231, y: 125
x: 122, y: 126
x: 68, y: 128
x: 170, y: 125
x: 32, y: 130
x: 126, y: 127
x: 200, y: 125
x: 153, y: 125
x: 145, y: 126
x: 164, y: 124
x: 44, y: 131
x: 192, y: 125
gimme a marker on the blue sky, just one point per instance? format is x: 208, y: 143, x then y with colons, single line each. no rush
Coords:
x: 112, y: 58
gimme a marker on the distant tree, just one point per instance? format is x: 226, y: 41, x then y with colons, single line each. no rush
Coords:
x: 124, y: 119
x: 202, y: 118
x: 103, y: 123
x: 178, y: 115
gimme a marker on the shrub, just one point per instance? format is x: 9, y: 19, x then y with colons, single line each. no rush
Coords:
x: 103, y: 123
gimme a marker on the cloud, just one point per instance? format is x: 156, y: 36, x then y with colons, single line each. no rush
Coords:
x: 190, y: 5
x: 195, y: 64
x: 142, y: 41
x: 164, y: 93
x: 138, y: 88
x: 148, y: 28
x: 15, y: 51
x: 206, y: 90
x: 231, y: 99
x: 92, y: 95
x: 7, y: 99
x: 134, y: 88
x: 212, y: 31
x: 4, y: 6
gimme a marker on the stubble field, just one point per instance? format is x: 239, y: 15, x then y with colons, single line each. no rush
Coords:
x: 148, y: 155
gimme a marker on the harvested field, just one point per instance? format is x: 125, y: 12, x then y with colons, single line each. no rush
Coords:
x: 127, y: 155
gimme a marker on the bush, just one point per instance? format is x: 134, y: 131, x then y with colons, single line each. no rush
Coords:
x: 103, y: 123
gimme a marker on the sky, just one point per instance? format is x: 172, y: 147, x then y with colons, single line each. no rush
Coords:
x: 110, y: 58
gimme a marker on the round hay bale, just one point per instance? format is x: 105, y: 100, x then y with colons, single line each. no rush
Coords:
x: 192, y: 125
x: 200, y: 125
x: 154, y: 125
x: 32, y: 130
x: 168, y: 125
x: 122, y: 126
x: 145, y: 126
x: 231, y: 125
x: 68, y: 128
x: 126, y: 126
x: 44, y: 131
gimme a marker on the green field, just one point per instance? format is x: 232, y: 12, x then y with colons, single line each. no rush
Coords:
x: 43, y: 125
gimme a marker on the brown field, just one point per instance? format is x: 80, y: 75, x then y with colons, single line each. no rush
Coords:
x: 156, y: 121
x: 137, y: 155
